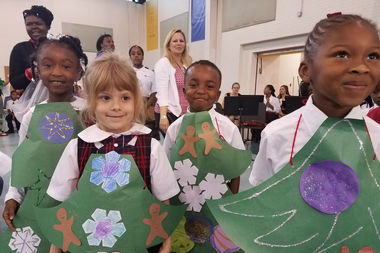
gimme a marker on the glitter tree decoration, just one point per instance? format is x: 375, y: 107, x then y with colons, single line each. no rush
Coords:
x: 326, y: 201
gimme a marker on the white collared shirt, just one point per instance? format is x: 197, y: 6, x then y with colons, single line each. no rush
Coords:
x: 18, y: 193
x: 221, y: 123
x: 62, y: 185
x: 146, y: 81
x: 275, y: 102
x: 10, y: 104
x: 277, y: 138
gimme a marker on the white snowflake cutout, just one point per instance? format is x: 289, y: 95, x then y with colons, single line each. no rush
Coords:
x: 24, y: 241
x: 185, y: 172
x: 104, y: 228
x: 192, y: 196
x: 213, y: 186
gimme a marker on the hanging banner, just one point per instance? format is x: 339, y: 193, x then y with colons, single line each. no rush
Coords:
x: 198, y: 20
x: 151, y: 25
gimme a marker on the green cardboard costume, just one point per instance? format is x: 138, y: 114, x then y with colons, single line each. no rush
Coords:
x: 203, y: 163
x: 277, y: 216
x: 52, y: 126
x: 109, y: 213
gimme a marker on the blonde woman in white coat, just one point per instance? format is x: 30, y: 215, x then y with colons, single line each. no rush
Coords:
x: 169, y: 76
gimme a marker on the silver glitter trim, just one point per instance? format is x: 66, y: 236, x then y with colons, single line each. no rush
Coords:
x: 223, y: 208
x: 374, y: 223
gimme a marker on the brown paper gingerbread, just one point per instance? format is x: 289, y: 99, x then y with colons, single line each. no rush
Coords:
x: 208, y: 136
x: 65, y: 227
x: 155, y: 223
x: 189, y: 142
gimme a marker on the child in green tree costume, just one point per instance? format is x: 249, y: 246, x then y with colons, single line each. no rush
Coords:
x: 114, y: 176
x: 45, y: 131
x: 207, y: 155
x: 325, y: 193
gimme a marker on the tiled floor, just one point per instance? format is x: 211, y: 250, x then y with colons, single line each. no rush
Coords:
x: 8, y: 144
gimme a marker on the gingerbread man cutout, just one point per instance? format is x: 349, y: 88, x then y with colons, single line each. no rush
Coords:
x: 155, y: 223
x: 65, y: 227
x: 208, y: 136
x: 189, y: 142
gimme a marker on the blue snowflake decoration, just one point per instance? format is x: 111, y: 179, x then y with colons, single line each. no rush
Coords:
x: 56, y: 127
x: 103, y: 228
x: 110, y: 172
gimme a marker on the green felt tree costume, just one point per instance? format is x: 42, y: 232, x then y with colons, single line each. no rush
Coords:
x: 52, y: 126
x: 110, y: 211
x: 274, y: 217
x: 203, y: 164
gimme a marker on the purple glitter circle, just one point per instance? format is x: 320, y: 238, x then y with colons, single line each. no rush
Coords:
x: 56, y: 127
x: 329, y: 186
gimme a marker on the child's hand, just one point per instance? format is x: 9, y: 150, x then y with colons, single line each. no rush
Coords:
x: 164, y: 124
x: 54, y: 249
x: 166, y: 246
x: 10, y: 210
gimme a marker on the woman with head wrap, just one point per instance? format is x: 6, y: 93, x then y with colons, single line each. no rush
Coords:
x: 37, y: 23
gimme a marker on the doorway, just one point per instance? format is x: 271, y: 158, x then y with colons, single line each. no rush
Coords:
x: 278, y: 68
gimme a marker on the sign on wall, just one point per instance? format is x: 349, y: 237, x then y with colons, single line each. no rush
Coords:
x: 151, y: 25
x: 87, y: 34
x: 241, y: 13
x: 198, y: 20
x: 177, y: 22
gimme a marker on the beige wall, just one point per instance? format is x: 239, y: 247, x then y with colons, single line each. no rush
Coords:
x: 126, y: 19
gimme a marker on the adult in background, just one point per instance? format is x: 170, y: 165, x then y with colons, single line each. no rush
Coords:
x: 272, y: 104
x: 234, y: 93
x: 105, y: 44
x: 147, y: 86
x: 170, y: 77
x: 37, y: 23
x: 284, y: 91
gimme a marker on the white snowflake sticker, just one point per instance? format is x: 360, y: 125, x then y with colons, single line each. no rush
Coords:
x: 24, y: 241
x: 192, y: 196
x: 213, y: 186
x: 185, y: 172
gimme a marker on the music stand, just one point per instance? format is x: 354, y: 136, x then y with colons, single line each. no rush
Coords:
x: 247, y: 105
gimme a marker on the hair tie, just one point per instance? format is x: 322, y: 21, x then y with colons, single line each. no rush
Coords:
x: 329, y: 15
x: 51, y: 36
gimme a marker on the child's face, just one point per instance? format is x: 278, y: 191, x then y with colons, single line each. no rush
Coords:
x: 115, y: 110
x: 136, y: 56
x: 345, y: 68
x: 14, y: 96
x: 267, y: 91
x: 202, y: 85
x: 108, y: 44
x: 375, y: 95
x: 58, y: 68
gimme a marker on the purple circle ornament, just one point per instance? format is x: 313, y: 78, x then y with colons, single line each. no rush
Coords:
x: 329, y: 186
x: 56, y: 127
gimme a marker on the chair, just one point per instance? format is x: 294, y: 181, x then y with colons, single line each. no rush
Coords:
x: 254, y: 124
